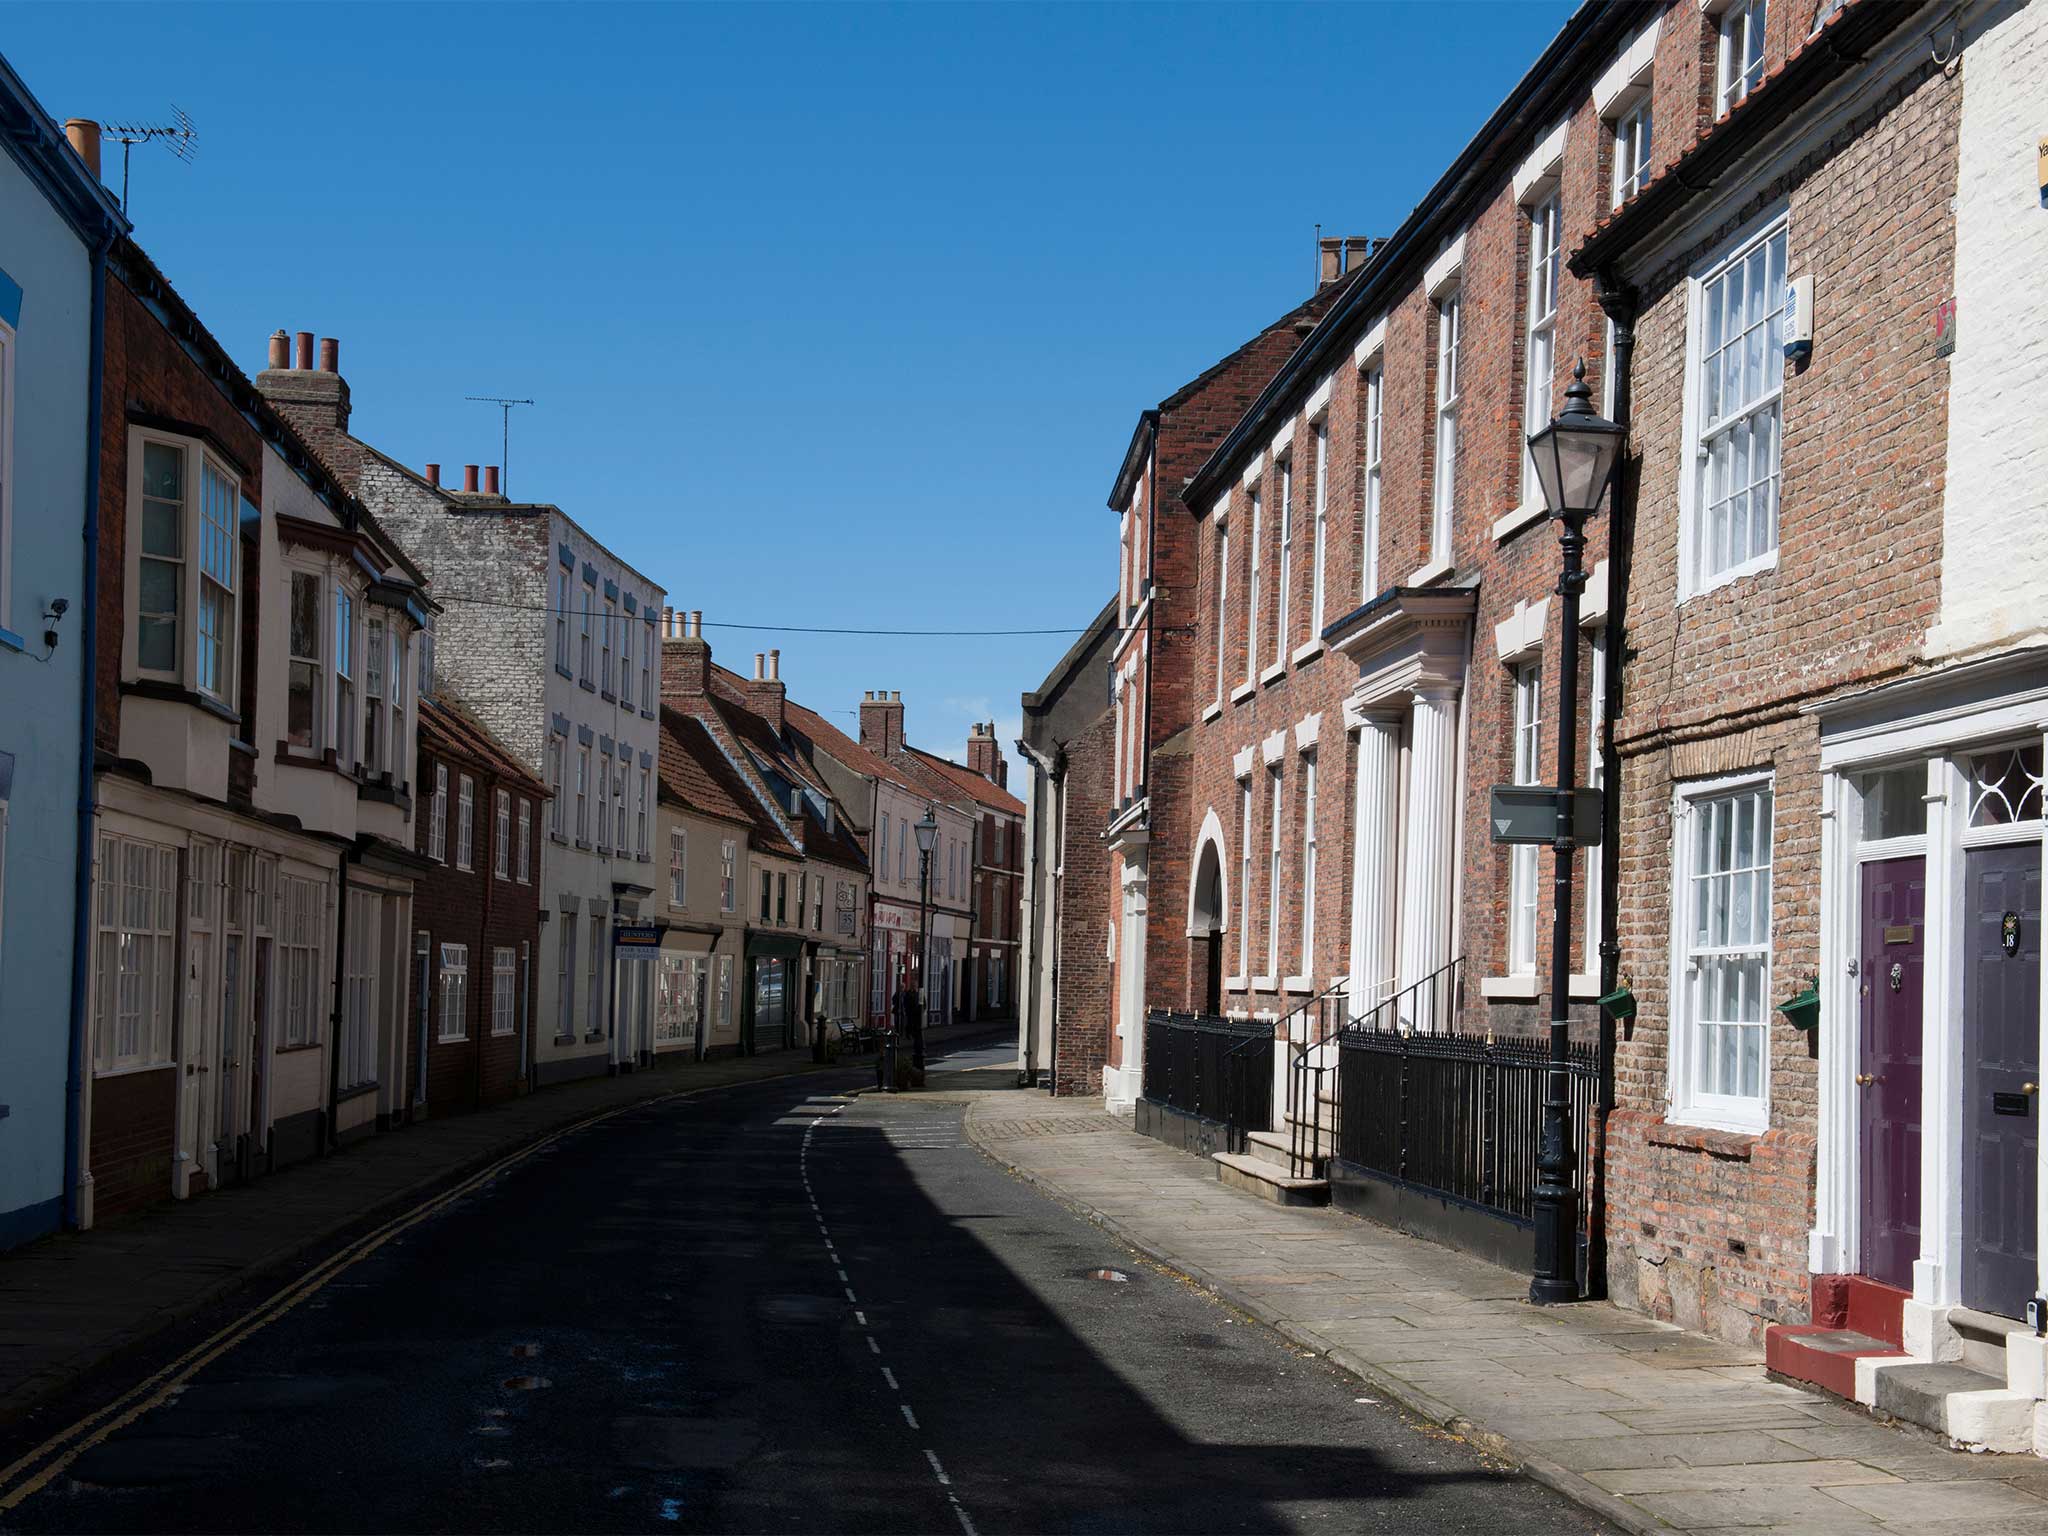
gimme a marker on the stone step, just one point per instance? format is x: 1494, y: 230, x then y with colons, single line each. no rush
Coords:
x: 1824, y: 1357
x: 1983, y: 1335
x: 1256, y: 1176
x: 1277, y: 1147
x: 1971, y: 1409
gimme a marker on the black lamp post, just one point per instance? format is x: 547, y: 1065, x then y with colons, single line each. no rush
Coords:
x: 927, y: 832
x: 1574, y: 457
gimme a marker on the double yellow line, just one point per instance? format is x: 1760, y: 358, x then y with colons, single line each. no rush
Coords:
x: 30, y: 1474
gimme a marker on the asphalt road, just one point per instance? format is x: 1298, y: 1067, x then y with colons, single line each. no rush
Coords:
x: 771, y: 1309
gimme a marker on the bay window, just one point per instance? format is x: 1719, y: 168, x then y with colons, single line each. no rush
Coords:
x: 304, y: 664
x: 344, y: 679
x: 1737, y: 390
x: 1722, y: 931
x: 217, y: 535
x: 374, y: 724
x: 185, y: 531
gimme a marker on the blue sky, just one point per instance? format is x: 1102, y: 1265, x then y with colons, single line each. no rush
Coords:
x: 835, y: 315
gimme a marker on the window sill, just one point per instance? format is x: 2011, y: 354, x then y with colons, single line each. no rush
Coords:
x: 568, y: 1039
x: 1298, y: 984
x: 1307, y: 653
x: 564, y: 673
x: 11, y: 641
x: 1505, y: 989
x: 593, y: 1036
x: 1213, y: 711
x: 303, y: 1045
x: 142, y: 1066
x: 1272, y: 674
x: 451, y: 1039
x: 356, y: 1092
x: 580, y: 843
x: 1242, y: 692
x: 1585, y: 989
x: 1529, y: 512
x: 1262, y: 984
x: 607, y: 697
x: 1429, y: 575
x: 174, y: 693
x: 1233, y: 983
x: 1729, y: 1142
x: 586, y: 685
x: 1734, y: 573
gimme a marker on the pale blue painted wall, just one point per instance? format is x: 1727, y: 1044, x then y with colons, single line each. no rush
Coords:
x: 39, y: 700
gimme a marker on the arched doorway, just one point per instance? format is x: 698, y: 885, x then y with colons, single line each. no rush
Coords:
x: 1208, y: 918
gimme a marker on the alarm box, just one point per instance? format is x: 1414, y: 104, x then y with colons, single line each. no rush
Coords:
x: 1798, y: 319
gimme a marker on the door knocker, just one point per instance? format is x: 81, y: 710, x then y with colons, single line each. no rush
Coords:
x: 1898, y: 975
x: 2009, y: 932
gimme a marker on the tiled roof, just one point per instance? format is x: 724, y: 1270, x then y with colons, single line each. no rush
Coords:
x: 695, y: 774
x: 992, y: 795
x: 448, y: 728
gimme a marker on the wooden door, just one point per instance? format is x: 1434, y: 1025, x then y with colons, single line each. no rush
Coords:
x: 1891, y: 961
x: 2001, y: 1071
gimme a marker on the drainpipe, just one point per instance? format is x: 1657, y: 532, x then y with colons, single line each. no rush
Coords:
x: 75, y: 1172
x: 348, y: 858
x: 1059, y: 901
x: 1027, y: 981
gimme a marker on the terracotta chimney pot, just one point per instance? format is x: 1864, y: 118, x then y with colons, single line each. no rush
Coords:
x: 330, y: 355
x: 303, y: 347
x: 490, y: 479
x: 84, y: 135
x: 280, y: 350
x: 433, y: 474
x: 469, y: 478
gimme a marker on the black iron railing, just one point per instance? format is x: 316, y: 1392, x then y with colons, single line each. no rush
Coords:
x: 1308, y: 1033
x: 1219, y: 1069
x: 1456, y: 1113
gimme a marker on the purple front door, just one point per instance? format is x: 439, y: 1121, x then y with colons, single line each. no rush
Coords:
x: 2001, y: 1074
x: 1890, y: 963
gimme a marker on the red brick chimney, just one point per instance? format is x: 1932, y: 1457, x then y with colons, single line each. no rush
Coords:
x: 685, y: 657
x: 764, y: 691
x: 881, y: 723
x: 315, y: 400
x: 983, y: 755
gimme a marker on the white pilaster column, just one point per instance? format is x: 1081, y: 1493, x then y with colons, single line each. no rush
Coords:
x: 1374, y: 793
x: 1426, y: 875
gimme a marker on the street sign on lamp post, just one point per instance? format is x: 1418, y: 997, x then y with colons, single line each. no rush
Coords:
x: 1574, y: 457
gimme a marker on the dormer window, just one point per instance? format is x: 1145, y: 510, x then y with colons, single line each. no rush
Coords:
x: 184, y: 513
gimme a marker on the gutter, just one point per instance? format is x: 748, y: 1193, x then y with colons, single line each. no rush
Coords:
x: 76, y: 1174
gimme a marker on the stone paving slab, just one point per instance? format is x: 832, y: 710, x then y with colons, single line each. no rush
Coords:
x: 1655, y: 1428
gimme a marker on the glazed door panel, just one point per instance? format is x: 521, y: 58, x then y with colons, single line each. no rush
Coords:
x: 1891, y: 961
x: 2001, y: 1068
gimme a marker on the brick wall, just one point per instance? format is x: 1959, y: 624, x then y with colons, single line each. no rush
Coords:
x: 1086, y: 989
x: 130, y: 1155
x: 1705, y: 1227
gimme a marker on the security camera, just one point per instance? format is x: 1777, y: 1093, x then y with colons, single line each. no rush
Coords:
x: 59, y: 606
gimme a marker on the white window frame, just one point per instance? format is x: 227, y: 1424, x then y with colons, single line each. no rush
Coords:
x: 728, y: 874
x: 595, y: 1023
x: 301, y: 908
x: 1524, y: 872
x: 565, y: 978
x: 437, y: 817
x: 1691, y: 1103
x: 563, y: 577
x: 1222, y: 601
x: 452, y: 995
x: 1634, y: 138
x: 583, y: 651
x: 583, y: 792
x: 1251, y: 609
x: 604, y: 665
x: 465, y: 822
x: 1702, y: 435
x: 196, y: 463
x: 1319, y: 431
x: 525, y: 867
x: 501, y: 835
x: 135, y: 909
x: 1276, y: 795
x: 374, y: 724
x: 316, y: 661
x: 619, y: 844
x: 1308, y: 871
x: 1443, y: 498
x: 678, y: 867
x: 558, y: 747
x: 1736, y: 74
x: 1539, y: 338
x: 504, y: 989
x: 1244, y: 881
x: 344, y: 673
x: 1374, y: 386
x: 1284, y: 615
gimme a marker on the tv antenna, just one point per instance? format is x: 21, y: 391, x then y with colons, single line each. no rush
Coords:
x: 505, y: 452
x: 179, y: 137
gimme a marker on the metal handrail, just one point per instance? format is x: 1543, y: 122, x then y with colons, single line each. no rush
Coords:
x: 1422, y: 1000
x: 1321, y: 1017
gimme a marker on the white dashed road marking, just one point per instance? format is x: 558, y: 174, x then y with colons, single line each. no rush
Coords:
x: 803, y: 1168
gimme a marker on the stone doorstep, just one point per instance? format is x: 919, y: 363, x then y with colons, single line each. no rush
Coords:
x: 1256, y: 1176
x: 1823, y: 1357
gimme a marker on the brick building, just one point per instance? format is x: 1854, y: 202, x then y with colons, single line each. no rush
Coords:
x: 1832, y: 723
x: 1063, y: 961
x: 995, y: 858
x: 476, y: 913
x: 549, y: 637
x: 1157, y: 682
x: 258, y: 637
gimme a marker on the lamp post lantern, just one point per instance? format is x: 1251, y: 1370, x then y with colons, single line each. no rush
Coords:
x: 927, y: 831
x: 1574, y: 457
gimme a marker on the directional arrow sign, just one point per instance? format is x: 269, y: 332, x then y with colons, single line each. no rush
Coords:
x: 1527, y: 813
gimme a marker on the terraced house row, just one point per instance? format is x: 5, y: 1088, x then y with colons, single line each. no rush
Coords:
x: 1791, y: 245
x: 334, y: 797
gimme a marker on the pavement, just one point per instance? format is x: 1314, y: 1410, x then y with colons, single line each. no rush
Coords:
x: 774, y: 1306
x: 1649, y: 1426
x: 74, y: 1303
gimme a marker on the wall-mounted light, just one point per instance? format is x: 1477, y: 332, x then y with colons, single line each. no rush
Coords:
x: 59, y: 606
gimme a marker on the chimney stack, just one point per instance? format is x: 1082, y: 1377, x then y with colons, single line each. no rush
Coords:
x: 765, y: 694
x: 314, y: 400
x: 1340, y: 256
x: 469, y: 479
x: 685, y: 658
x: 84, y: 135
x: 881, y: 723
x: 434, y: 475
x: 490, y: 479
x: 983, y: 755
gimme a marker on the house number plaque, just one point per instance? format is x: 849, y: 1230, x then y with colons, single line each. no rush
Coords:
x: 2009, y: 932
